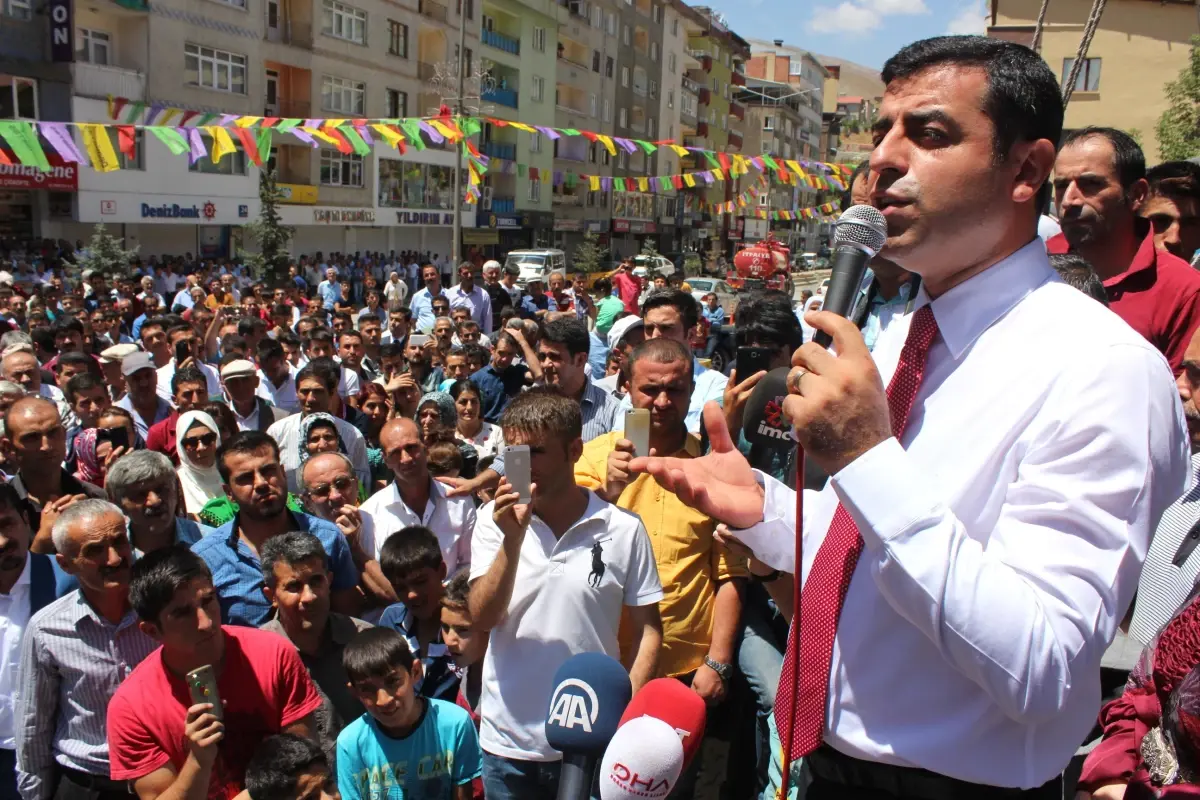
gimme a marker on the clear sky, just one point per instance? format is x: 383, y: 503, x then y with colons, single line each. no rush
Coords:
x: 864, y: 31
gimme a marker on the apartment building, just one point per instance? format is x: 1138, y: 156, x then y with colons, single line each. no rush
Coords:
x: 831, y: 118
x: 519, y: 41
x: 674, y: 49
x: 1138, y: 47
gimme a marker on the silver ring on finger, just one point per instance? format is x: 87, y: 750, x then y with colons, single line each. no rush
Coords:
x: 793, y: 380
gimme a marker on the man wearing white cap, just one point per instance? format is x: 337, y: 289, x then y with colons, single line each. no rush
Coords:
x: 625, y: 334
x: 142, y: 400
x: 239, y: 378
x: 110, y: 365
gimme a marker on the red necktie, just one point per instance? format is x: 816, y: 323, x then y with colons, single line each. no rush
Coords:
x: 825, y: 590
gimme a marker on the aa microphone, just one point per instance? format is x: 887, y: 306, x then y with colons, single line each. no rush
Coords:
x: 644, y: 760
x: 677, y: 705
x: 860, y: 234
x: 590, y: 693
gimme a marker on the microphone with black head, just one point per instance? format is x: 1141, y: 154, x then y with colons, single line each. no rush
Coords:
x: 677, y: 705
x: 859, y: 236
x: 763, y: 422
x: 590, y: 693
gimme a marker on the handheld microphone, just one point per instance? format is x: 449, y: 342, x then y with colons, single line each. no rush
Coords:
x: 860, y: 234
x: 763, y: 423
x: 669, y: 700
x: 590, y: 693
x: 644, y: 760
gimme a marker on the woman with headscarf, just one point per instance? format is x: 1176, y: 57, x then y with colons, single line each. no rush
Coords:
x: 94, y: 450
x: 812, y: 304
x: 318, y: 435
x: 437, y: 417
x: 199, y: 437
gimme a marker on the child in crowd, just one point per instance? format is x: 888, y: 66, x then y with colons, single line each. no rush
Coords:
x: 445, y: 459
x: 405, y: 745
x: 467, y: 646
x: 411, y: 560
x: 290, y: 767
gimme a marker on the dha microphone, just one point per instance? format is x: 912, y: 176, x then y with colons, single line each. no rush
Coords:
x: 644, y: 760
x: 668, y: 700
x: 860, y: 234
x: 590, y: 693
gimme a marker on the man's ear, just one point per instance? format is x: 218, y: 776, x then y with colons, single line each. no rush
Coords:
x: 150, y: 629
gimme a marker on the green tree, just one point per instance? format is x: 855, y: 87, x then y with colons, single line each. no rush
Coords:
x: 589, y: 255
x: 270, y: 262
x: 648, y: 248
x: 1179, y: 126
x: 105, y: 254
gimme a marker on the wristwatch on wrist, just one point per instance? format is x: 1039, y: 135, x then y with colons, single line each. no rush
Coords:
x: 725, y: 671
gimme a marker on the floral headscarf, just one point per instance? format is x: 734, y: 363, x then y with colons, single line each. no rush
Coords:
x: 87, y: 463
x: 446, y: 407
x: 308, y: 423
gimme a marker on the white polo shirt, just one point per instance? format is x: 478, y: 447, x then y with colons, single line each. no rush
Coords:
x: 280, y: 396
x: 167, y: 372
x: 555, y: 613
x: 452, y: 520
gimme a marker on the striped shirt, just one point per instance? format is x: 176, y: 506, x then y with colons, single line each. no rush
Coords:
x: 1165, y: 584
x: 72, y: 661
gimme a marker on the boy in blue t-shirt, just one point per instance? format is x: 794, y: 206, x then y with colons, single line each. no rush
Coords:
x: 406, y: 747
x: 411, y: 560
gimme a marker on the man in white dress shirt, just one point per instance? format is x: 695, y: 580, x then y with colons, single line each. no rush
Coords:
x: 469, y: 295
x: 986, y: 565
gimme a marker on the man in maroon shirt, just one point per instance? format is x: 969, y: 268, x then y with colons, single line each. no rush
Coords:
x: 1100, y: 187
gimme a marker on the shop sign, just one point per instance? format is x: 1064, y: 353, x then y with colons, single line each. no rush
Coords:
x: 633, y: 226
x: 424, y: 218
x: 336, y: 216
x: 597, y: 226
x: 568, y: 224
x: 297, y: 193
x: 176, y: 211
x: 481, y: 236
x: 63, y: 177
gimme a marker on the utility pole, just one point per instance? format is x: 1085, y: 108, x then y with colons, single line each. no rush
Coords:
x: 460, y: 68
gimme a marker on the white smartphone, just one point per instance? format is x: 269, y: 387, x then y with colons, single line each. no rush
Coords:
x: 418, y: 340
x: 637, y: 430
x: 517, y: 471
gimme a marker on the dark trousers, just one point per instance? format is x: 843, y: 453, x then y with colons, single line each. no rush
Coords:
x: 840, y: 777
x: 76, y: 785
x: 8, y: 775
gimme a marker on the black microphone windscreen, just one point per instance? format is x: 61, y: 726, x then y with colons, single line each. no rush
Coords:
x: 763, y: 422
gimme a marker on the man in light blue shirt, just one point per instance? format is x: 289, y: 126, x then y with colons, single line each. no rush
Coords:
x: 422, y: 302
x: 715, y: 315
x: 329, y: 290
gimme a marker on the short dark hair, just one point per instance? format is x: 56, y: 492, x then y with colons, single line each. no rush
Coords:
x: 67, y: 325
x: 391, y: 350
x: 248, y: 325
x: 457, y: 389
x: 859, y: 170
x: 1128, y: 159
x: 689, y: 309
x: 544, y: 410
x: 602, y: 286
x: 659, y: 351
x: 155, y: 322
x: 241, y: 443
x: 768, y: 316
x: 571, y: 333
x: 374, y: 653
x: 1178, y: 179
x: 268, y: 348
x: 318, y: 336
x: 1023, y: 99
x: 351, y: 333
x: 457, y: 593
x: 289, y: 548
x: 1077, y: 271
x: 187, y: 375
x: 271, y: 773
x: 325, y: 370
x: 83, y: 382
x: 408, y: 550
x: 234, y: 341
x: 157, y: 575
x: 75, y: 358
x: 183, y: 328
x: 343, y: 317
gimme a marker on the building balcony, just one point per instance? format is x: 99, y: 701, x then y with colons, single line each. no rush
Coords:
x: 297, y: 34
x: 507, y: 152
x: 704, y: 58
x: 737, y: 110
x: 690, y: 85
x: 500, y: 205
x: 501, y: 42
x: 288, y: 109
x: 737, y: 79
x: 566, y: 200
x: 503, y: 97
x: 687, y: 116
x: 574, y: 59
x: 640, y: 91
x: 434, y: 10
x: 735, y: 140
x: 102, y: 80
x: 704, y: 96
x: 701, y: 129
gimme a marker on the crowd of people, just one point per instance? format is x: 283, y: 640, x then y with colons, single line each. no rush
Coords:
x: 303, y: 488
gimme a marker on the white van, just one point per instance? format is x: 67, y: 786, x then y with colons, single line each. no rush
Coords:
x: 537, y: 264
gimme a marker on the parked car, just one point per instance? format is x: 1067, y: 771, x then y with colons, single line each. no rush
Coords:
x: 536, y: 264
x: 726, y: 295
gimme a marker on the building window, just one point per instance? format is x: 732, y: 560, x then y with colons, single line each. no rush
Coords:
x: 215, y: 69
x: 653, y: 90
x: 93, y: 46
x: 338, y: 169
x: 597, y: 17
x: 625, y: 35
x: 535, y: 191
x: 657, y: 13
x: 539, y: 39
x: 344, y: 22
x: 768, y: 123
x: 595, y: 61
x: 234, y: 3
x: 650, y: 127
x: 622, y: 118
x: 470, y: 9
x: 139, y: 145
x: 17, y: 9
x: 343, y: 96
x: 625, y: 77
x: 407, y: 184
x: 795, y: 68
x: 535, y: 143
x: 607, y: 111
x: 671, y: 62
x: 592, y: 103
x: 539, y: 88
x: 675, y: 27
x: 18, y: 98
x: 654, y: 52
x: 397, y: 38
x: 608, y: 66
x: 670, y: 98
x: 231, y: 164
x: 397, y: 104
x: 1088, y: 79
x: 612, y: 24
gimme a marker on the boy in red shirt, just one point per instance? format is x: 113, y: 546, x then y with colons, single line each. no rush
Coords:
x: 158, y: 739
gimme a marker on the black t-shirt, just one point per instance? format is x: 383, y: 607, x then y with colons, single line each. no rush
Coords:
x: 501, y: 299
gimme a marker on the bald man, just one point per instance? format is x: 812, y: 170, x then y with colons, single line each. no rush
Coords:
x: 415, y: 498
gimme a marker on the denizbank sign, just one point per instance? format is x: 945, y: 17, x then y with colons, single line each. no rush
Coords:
x: 176, y: 211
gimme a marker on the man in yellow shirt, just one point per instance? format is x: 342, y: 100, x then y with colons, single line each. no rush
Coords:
x: 701, y: 605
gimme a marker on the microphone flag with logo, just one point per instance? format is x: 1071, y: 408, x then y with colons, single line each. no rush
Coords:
x: 591, y: 691
x: 643, y: 762
x: 677, y: 705
x: 764, y: 425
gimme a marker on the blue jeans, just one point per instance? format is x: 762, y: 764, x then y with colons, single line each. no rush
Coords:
x: 512, y: 779
x: 799, y: 783
x: 760, y: 660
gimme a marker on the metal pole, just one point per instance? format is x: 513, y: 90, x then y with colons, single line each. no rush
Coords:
x: 455, y: 252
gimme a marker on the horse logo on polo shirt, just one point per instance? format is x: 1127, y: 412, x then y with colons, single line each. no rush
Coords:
x: 597, y: 573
